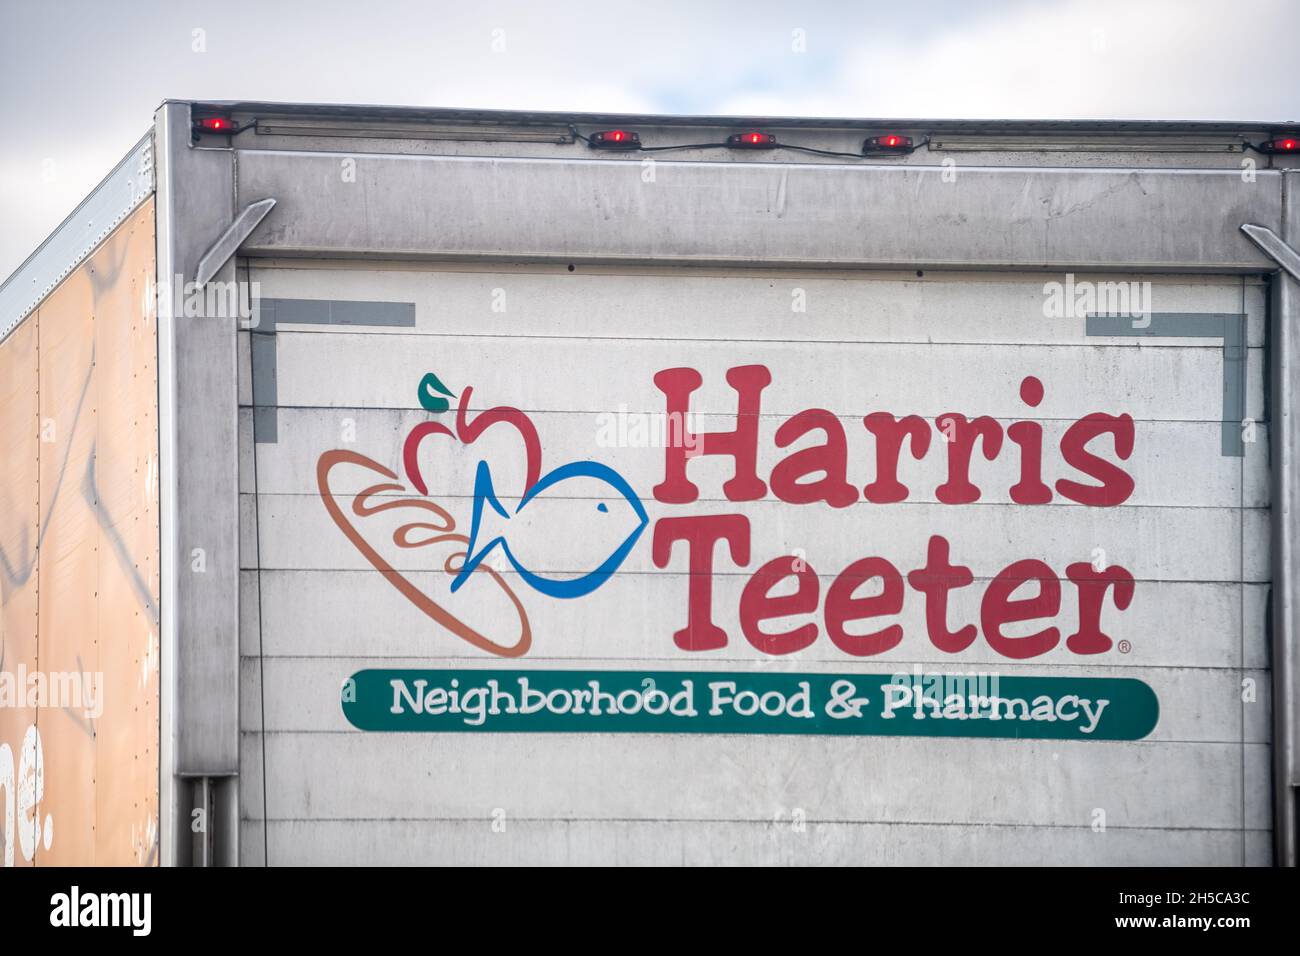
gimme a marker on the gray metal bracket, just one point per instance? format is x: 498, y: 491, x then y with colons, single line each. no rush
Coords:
x: 1273, y: 247
x: 219, y: 252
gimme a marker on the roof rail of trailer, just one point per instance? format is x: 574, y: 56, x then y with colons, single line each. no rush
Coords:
x: 129, y: 184
x: 508, y: 117
x: 215, y: 122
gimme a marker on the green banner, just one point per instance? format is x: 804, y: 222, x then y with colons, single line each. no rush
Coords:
x: 921, y: 704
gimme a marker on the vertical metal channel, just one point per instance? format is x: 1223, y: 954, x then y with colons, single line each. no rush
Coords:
x: 1284, y: 336
x: 198, y: 451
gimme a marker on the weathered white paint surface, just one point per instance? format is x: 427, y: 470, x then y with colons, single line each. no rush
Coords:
x: 1163, y: 453
x: 1174, y: 544
x: 570, y: 347
x: 778, y: 841
x: 343, y: 370
x: 305, y: 613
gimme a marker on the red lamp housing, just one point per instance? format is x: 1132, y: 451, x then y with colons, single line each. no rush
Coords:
x: 614, y: 139
x: 751, y: 139
x: 214, y: 124
x: 1282, y: 144
x: 888, y: 143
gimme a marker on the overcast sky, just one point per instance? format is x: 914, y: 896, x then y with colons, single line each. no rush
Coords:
x: 79, y: 79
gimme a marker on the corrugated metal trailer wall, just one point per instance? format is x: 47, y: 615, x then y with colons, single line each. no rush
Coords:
x: 905, y: 390
x: 337, y: 362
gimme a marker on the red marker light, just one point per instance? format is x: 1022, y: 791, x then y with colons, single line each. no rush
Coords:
x: 215, y: 124
x: 888, y: 143
x: 751, y: 140
x: 614, y: 139
x: 1284, y: 144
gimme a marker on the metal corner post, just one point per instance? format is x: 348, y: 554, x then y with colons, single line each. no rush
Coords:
x: 198, y: 454
x: 1284, y: 336
x: 1284, y: 427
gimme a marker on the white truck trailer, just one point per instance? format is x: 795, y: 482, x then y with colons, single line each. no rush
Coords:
x: 441, y: 486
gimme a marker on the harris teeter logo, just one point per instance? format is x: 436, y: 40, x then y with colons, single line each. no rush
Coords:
x: 475, y: 543
x: 618, y: 518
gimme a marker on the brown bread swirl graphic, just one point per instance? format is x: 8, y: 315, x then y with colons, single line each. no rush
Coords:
x: 439, y: 532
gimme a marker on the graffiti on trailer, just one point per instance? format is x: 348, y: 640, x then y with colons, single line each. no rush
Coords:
x: 615, y: 524
x: 25, y: 826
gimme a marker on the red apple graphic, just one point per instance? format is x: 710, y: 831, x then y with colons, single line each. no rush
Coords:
x: 468, y: 432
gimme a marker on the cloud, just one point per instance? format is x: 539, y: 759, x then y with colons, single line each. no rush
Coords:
x: 1082, y: 59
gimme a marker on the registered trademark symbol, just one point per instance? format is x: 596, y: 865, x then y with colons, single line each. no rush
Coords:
x: 1125, y: 647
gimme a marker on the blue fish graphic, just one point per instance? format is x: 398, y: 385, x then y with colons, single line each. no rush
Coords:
x: 563, y: 588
